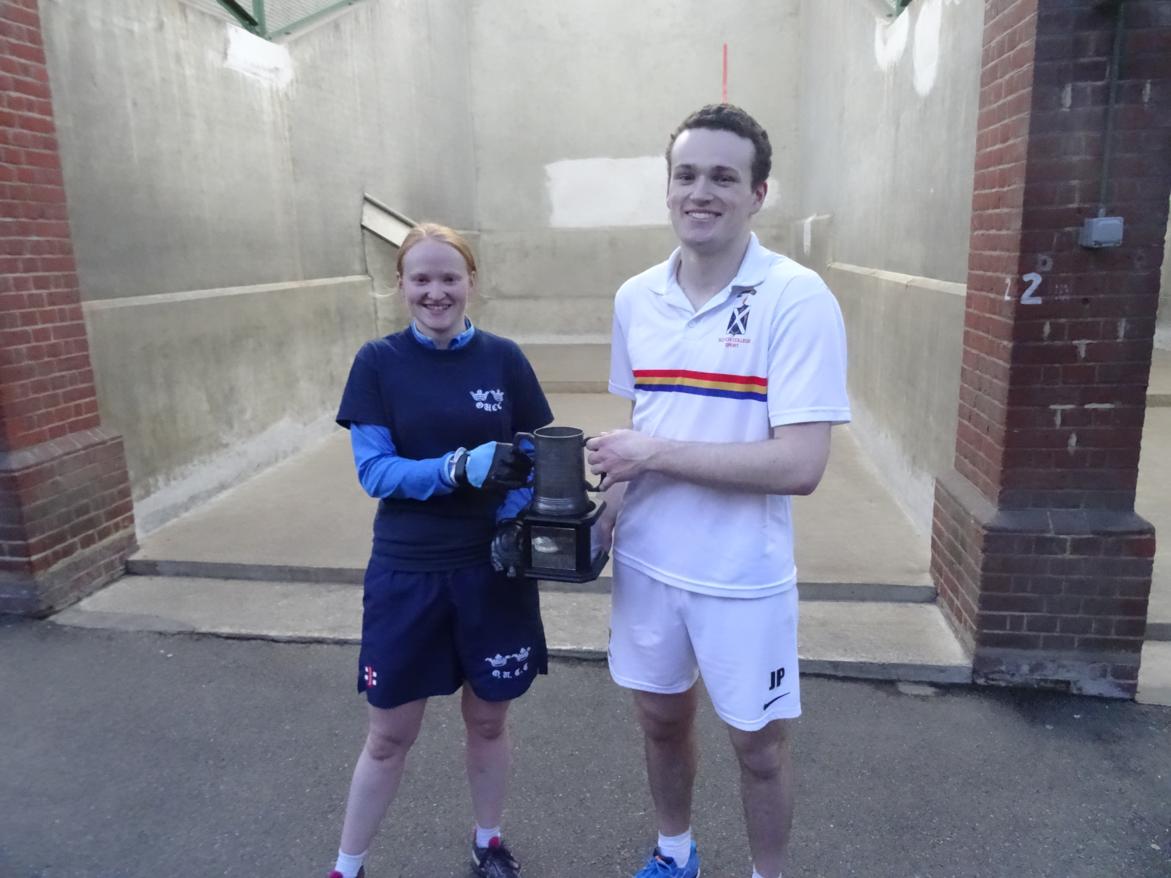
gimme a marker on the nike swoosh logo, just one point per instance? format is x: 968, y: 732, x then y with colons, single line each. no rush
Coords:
x: 778, y: 698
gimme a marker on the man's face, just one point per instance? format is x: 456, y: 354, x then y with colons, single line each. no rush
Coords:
x: 710, y: 194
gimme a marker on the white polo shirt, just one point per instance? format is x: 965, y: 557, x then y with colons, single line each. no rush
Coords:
x: 768, y: 350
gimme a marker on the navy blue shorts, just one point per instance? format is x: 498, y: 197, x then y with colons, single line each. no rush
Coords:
x: 425, y: 634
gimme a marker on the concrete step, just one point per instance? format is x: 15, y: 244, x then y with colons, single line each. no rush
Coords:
x: 1159, y: 386
x: 534, y: 316
x: 1154, y: 677
x: 883, y: 592
x: 1153, y: 502
x: 907, y: 642
x: 569, y: 364
x: 1158, y: 631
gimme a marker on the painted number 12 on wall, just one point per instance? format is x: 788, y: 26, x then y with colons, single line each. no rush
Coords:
x: 1029, y: 296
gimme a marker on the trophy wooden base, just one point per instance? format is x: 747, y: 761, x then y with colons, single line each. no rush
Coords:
x: 559, y: 547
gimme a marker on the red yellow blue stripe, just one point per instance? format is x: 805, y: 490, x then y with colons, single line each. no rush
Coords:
x: 702, y: 383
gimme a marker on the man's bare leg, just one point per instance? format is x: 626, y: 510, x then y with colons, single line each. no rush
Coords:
x: 766, y: 789
x: 668, y: 725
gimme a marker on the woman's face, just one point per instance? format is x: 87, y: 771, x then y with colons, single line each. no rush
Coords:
x: 436, y: 284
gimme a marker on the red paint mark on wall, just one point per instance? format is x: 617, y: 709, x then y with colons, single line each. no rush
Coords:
x: 724, y: 82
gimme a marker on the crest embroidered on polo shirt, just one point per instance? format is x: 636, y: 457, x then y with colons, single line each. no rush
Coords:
x: 489, y: 400
x: 738, y: 320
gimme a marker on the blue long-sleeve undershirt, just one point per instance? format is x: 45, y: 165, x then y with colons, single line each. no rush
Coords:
x: 383, y: 473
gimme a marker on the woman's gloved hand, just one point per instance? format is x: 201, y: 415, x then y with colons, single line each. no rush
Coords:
x: 491, y: 465
x: 506, y: 551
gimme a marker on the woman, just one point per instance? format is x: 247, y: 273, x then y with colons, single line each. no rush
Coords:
x: 436, y: 617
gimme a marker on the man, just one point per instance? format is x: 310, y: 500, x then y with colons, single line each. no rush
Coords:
x: 734, y: 359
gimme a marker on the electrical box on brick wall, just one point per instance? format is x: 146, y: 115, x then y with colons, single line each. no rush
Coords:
x: 1101, y: 231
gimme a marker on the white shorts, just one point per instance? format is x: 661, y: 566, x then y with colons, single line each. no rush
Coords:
x: 662, y: 638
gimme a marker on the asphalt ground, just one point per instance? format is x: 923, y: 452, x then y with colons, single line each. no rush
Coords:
x: 138, y: 754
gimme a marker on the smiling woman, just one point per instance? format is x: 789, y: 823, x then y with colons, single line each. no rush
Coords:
x: 438, y: 617
x: 436, y: 275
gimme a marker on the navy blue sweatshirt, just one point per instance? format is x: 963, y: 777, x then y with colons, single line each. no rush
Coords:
x: 434, y: 401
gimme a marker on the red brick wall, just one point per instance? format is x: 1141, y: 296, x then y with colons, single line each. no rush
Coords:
x: 73, y: 494
x: 1040, y: 561
x: 45, y: 377
x: 65, y: 510
x: 997, y: 203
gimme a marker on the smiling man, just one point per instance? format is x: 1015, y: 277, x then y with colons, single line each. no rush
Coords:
x: 734, y: 358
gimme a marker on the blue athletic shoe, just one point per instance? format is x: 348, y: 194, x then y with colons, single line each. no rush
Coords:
x: 659, y: 866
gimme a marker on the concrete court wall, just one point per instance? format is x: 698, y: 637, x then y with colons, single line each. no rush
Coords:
x: 1163, y: 324
x: 214, y: 184
x: 572, y: 106
x: 887, y: 144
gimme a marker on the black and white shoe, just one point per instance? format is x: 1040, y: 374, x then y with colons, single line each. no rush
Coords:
x: 494, y: 861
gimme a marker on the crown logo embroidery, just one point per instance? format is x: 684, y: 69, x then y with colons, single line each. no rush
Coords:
x: 489, y: 400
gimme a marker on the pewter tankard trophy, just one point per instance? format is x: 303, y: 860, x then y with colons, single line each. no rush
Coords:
x: 551, y: 538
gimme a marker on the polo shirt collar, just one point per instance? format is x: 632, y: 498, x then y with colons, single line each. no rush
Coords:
x: 751, y: 274
x: 458, y: 342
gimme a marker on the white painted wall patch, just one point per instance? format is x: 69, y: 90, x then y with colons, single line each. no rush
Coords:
x: 601, y: 192
x: 890, y: 40
x: 925, y: 52
x: 604, y: 192
x: 257, y: 57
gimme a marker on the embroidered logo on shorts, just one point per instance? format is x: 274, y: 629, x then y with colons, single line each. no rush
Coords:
x: 370, y: 676
x: 774, y: 680
x: 512, y: 666
x: 489, y: 400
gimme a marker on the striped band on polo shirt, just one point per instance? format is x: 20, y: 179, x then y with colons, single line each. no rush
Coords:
x: 702, y: 383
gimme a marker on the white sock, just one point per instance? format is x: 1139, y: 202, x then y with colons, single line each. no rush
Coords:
x: 756, y: 874
x: 349, y: 864
x: 677, y: 847
x: 483, y: 836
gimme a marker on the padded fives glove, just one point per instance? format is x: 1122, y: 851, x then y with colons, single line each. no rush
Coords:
x: 499, y: 465
x: 506, y: 552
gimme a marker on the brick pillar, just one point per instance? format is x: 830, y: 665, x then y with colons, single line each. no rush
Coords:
x: 1041, y: 563
x: 66, y: 518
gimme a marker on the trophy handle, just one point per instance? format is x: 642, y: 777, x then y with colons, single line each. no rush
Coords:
x: 598, y: 487
x: 532, y: 441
